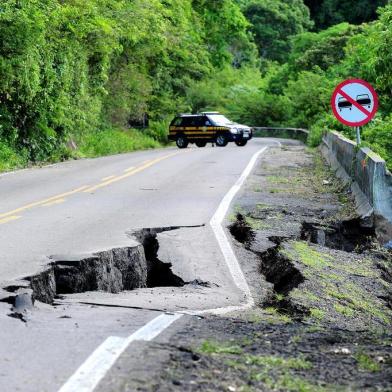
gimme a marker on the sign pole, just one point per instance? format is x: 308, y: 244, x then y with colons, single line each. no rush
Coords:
x: 358, y: 136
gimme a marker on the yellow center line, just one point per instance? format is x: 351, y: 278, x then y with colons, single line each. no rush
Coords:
x: 39, y: 203
x: 129, y: 174
x: 52, y: 203
x: 129, y: 169
x: 108, y: 178
x: 9, y: 219
x: 11, y: 215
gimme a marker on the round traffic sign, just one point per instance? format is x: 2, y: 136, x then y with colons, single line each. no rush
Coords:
x: 354, y: 102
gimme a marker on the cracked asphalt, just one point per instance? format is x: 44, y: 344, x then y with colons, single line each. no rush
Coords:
x: 87, y: 206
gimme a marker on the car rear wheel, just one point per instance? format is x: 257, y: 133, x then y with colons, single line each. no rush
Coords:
x: 241, y: 143
x: 221, y: 141
x: 182, y: 141
x: 201, y: 144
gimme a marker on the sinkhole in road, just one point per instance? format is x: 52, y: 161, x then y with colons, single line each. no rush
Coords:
x: 276, y: 268
x: 112, y: 271
x: 241, y: 230
x: 285, y: 277
x: 349, y: 235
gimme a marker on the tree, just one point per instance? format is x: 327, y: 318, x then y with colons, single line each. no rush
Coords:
x: 225, y: 32
x: 321, y: 50
x: 274, y: 22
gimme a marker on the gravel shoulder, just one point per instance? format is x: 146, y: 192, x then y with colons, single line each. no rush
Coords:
x: 322, y: 287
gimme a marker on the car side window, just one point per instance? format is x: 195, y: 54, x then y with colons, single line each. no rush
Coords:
x: 186, y: 122
x: 177, y: 122
x: 202, y: 122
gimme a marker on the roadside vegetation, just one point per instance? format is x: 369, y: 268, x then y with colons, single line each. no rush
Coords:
x: 80, y: 78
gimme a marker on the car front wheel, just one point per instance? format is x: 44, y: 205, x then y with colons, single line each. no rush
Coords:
x: 241, y: 143
x: 182, y: 141
x: 221, y: 141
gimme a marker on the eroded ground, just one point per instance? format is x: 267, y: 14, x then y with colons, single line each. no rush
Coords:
x: 322, y: 287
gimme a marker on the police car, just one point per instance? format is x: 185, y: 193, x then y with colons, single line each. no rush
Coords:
x: 208, y: 127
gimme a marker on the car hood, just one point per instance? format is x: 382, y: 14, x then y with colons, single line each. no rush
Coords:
x: 240, y: 126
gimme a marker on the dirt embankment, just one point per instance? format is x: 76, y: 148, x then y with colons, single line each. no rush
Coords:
x: 322, y: 285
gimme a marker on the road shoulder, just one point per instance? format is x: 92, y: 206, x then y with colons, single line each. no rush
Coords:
x: 321, y: 285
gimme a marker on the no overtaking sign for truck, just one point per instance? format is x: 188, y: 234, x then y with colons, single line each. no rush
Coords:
x: 354, y: 102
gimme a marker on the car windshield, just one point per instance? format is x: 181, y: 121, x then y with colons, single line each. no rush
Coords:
x: 219, y: 119
x: 365, y: 96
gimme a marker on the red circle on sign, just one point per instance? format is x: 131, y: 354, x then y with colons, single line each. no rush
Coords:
x: 338, y: 92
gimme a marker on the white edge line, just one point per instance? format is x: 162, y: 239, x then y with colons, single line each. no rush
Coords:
x: 94, y: 369
x: 224, y: 243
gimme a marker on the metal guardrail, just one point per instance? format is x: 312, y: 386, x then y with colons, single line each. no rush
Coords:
x: 281, y: 129
x: 282, y: 133
x: 371, y: 180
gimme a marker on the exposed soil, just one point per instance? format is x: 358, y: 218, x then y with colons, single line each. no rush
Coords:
x: 322, y: 283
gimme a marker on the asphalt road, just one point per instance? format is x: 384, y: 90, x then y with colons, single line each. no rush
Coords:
x: 81, y: 207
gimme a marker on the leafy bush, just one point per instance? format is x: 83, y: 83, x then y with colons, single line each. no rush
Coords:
x: 10, y: 158
x: 115, y: 141
x: 378, y: 136
x: 158, y: 130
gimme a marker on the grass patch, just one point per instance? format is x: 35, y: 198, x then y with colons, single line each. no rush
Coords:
x: 255, y: 224
x: 318, y: 314
x: 278, y: 180
x: 352, y: 298
x: 344, y: 310
x: 262, y: 207
x: 275, y: 372
x: 278, y: 362
x: 308, y: 255
x: 289, y: 383
x: 233, y: 215
x: 275, y: 317
x: 363, y: 269
x: 304, y: 295
x: 213, y: 347
x: 366, y: 363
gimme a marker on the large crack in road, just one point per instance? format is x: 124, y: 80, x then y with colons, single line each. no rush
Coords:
x: 111, y: 271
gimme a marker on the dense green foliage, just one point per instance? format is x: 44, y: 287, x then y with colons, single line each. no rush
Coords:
x: 87, y: 71
x: 273, y: 22
x: 330, y: 12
